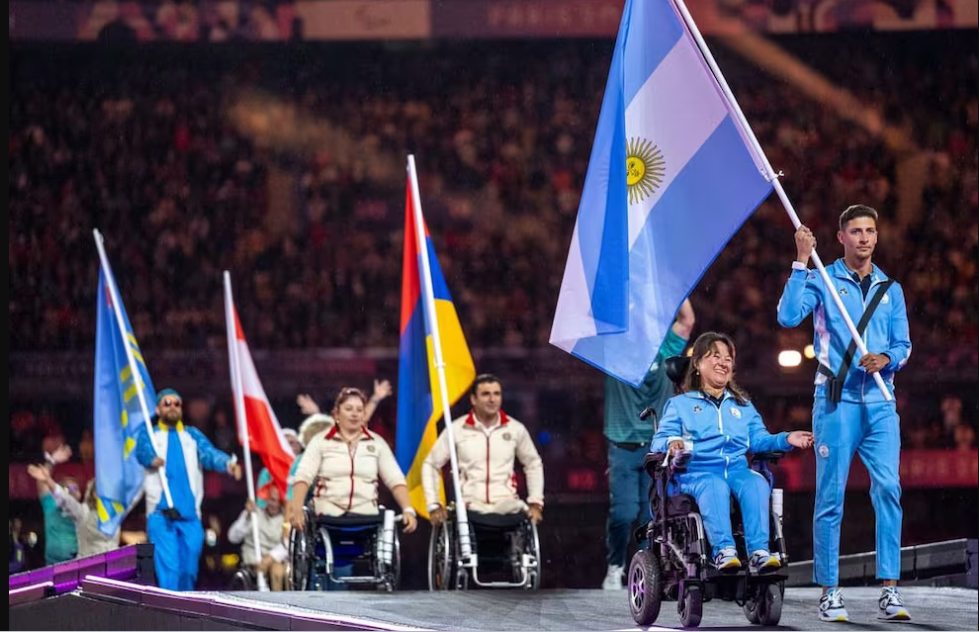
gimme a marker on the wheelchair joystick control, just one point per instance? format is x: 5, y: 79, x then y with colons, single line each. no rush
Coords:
x: 387, y: 537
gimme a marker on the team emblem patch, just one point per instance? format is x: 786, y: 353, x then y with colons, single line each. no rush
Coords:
x: 370, y: 448
x: 735, y: 412
x: 885, y: 300
x: 823, y: 450
x: 507, y: 436
x: 843, y: 291
x: 697, y: 409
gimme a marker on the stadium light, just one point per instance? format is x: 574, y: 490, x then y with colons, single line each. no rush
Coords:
x: 789, y: 358
x: 809, y: 352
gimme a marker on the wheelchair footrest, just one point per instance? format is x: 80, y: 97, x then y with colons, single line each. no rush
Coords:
x: 714, y: 575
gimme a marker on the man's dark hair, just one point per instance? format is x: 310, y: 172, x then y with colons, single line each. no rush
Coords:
x: 855, y: 211
x: 485, y: 378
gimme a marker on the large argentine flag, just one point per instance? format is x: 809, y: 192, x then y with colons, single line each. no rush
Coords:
x: 671, y: 179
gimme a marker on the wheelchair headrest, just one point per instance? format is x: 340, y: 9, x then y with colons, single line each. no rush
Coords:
x: 676, y: 368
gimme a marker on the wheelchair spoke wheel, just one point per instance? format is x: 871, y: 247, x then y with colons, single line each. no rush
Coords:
x: 440, y: 566
x: 393, y: 573
x: 301, y: 552
x: 532, y: 548
x: 645, y: 587
x: 691, y: 606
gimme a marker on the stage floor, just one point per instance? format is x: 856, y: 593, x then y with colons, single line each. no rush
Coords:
x: 932, y: 609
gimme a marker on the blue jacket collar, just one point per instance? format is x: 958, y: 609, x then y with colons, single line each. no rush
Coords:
x: 840, y: 271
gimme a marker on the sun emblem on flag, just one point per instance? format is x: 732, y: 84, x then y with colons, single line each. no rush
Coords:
x: 645, y: 169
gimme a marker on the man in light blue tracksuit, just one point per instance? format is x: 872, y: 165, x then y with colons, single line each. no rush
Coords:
x: 850, y: 414
x: 176, y: 532
x: 714, y: 419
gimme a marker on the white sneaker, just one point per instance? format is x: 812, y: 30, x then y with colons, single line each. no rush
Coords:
x: 726, y: 560
x: 831, y: 606
x: 890, y: 607
x: 763, y: 562
x: 613, y: 578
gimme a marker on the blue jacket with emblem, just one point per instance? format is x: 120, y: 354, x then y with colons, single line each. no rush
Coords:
x: 887, y: 332
x: 721, y: 435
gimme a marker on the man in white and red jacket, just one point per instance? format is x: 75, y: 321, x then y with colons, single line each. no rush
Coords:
x: 487, y: 441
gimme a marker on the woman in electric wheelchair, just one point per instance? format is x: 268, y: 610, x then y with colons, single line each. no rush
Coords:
x: 343, y: 465
x: 705, y: 434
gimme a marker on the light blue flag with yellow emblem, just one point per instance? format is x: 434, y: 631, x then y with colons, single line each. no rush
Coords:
x: 118, y: 416
x: 670, y: 180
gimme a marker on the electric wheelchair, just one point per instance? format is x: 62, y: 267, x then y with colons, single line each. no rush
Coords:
x: 674, y: 560
x: 505, y: 553
x: 369, y: 545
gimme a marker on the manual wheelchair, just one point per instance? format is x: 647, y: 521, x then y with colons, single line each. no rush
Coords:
x: 505, y: 549
x: 368, y: 544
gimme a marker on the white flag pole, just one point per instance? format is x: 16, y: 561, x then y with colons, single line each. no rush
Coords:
x: 428, y: 296
x: 774, y: 178
x: 131, y: 360
x: 239, y: 395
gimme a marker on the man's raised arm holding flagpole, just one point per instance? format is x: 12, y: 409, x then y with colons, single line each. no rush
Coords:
x: 777, y: 184
x: 674, y: 171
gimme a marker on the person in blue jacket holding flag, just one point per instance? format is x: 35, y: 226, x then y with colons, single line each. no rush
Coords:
x: 714, y: 420
x: 176, y: 532
x: 850, y: 414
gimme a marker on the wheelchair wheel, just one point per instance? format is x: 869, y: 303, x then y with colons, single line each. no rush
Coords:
x: 691, y: 606
x: 532, y: 546
x: 767, y: 608
x: 440, y: 567
x: 392, y: 575
x: 645, y: 587
x: 242, y: 580
x: 301, y: 553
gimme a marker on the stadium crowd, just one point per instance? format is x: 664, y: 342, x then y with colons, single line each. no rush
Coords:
x: 285, y: 166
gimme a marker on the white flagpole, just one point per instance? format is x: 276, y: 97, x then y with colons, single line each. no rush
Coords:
x: 239, y: 395
x: 131, y: 360
x: 428, y: 296
x: 774, y: 178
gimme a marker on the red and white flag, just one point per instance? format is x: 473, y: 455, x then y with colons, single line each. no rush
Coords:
x: 265, y: 436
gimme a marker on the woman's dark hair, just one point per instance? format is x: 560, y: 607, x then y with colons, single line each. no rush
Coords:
x: 703, y: 347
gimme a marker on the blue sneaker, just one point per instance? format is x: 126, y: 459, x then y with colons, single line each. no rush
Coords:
x: 831, y: 606
x: 726, y: 560
x: 890, y: 607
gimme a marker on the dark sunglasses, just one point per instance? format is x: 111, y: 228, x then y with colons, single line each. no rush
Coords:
x: 170, y: 402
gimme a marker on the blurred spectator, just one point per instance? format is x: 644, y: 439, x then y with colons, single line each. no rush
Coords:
x: 17, y: 561
x: 178, y: 157
x: 60, y: 539
x: 965, y: 437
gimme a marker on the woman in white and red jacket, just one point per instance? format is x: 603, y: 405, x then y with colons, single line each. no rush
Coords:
x: 344, y: 464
